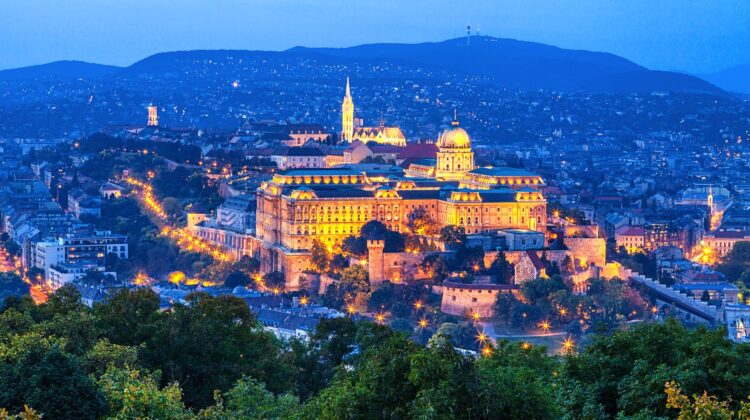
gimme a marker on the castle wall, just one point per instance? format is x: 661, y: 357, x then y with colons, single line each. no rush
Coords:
x: 465, y: 299
x: 587, y: 251
x: 391, y: 266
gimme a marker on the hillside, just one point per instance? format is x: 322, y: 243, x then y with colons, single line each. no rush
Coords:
x: 526, y: 65
x: 58, y: 70
x: 734, y: 79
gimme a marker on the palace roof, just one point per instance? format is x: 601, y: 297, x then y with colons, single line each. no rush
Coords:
x: 502, y: 171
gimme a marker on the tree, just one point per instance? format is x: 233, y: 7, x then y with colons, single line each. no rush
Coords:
x: 459, y: 335
x: 237, y: 279
x: 355, y: 245
x: 469, y: 258
x: 43, y: 376
x: 362, y: 394
x: 373, y: 230
x: 274, y: 279
x: 104, y: 355
x: 319, y: 258
x: 702, y: 406
x: 12, y: 285
x: 172, y: 206
x: 737, y: 262
x: 131, y: 395
x: 453, y: 235
x: 420, y: 222
x: 354, y: 280
x: 210, y: 343
x: 128, y: 317
x: 436, y: 267
x: 624, y: 372
x: 248, y: 399
x: 338, y: 263
x: 502, y: 269
x: 247, y: 265
x: 505, y: 305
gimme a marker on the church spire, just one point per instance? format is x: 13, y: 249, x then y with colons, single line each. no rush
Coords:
x: 347, y: 115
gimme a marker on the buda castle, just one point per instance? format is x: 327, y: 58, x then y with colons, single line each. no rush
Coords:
x: 298, y: 206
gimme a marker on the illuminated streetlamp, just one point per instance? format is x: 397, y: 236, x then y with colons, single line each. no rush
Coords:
x: 380, y: 318
x: 423, y: 323
x: 487, y: 351
x: 568, y: 345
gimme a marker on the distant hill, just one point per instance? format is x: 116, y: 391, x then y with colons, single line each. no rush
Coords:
x: 506, y: 63
x: 734, y: 79
x: 58, y: 70
x: 526, y: 65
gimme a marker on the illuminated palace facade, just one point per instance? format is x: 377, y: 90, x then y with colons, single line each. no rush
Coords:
x: 299, y: 206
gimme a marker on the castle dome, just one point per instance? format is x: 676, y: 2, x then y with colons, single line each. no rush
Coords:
x: 454, y: 137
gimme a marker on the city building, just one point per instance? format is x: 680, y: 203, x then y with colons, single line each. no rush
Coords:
x: 298, y: 157
x: 632, y: 238
x: 80, y: 203
x: 70, y: 257
x: 722, y: 241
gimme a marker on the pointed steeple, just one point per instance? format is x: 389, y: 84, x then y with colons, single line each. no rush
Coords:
x: 347, y: 115
x: 455, y: 118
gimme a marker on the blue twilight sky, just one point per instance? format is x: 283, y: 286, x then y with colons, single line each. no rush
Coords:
x: 689, y: 35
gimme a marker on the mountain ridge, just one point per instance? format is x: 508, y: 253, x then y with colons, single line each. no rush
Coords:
x: 733, y: 79
x: 62, y: 69
x: 505, y: 62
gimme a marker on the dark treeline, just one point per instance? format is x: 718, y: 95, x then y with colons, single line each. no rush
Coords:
x: 175, y: 151
x: 212, y: 359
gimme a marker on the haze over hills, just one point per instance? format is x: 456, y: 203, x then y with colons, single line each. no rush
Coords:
x: 734, y: 79
x: 506, y: 63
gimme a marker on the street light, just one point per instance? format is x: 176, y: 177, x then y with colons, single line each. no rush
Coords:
x: 568, y: 345
x: 423, y: 323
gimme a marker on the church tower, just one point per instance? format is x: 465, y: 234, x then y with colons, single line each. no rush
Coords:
x: 153, y: 116
x: 347, y: 115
